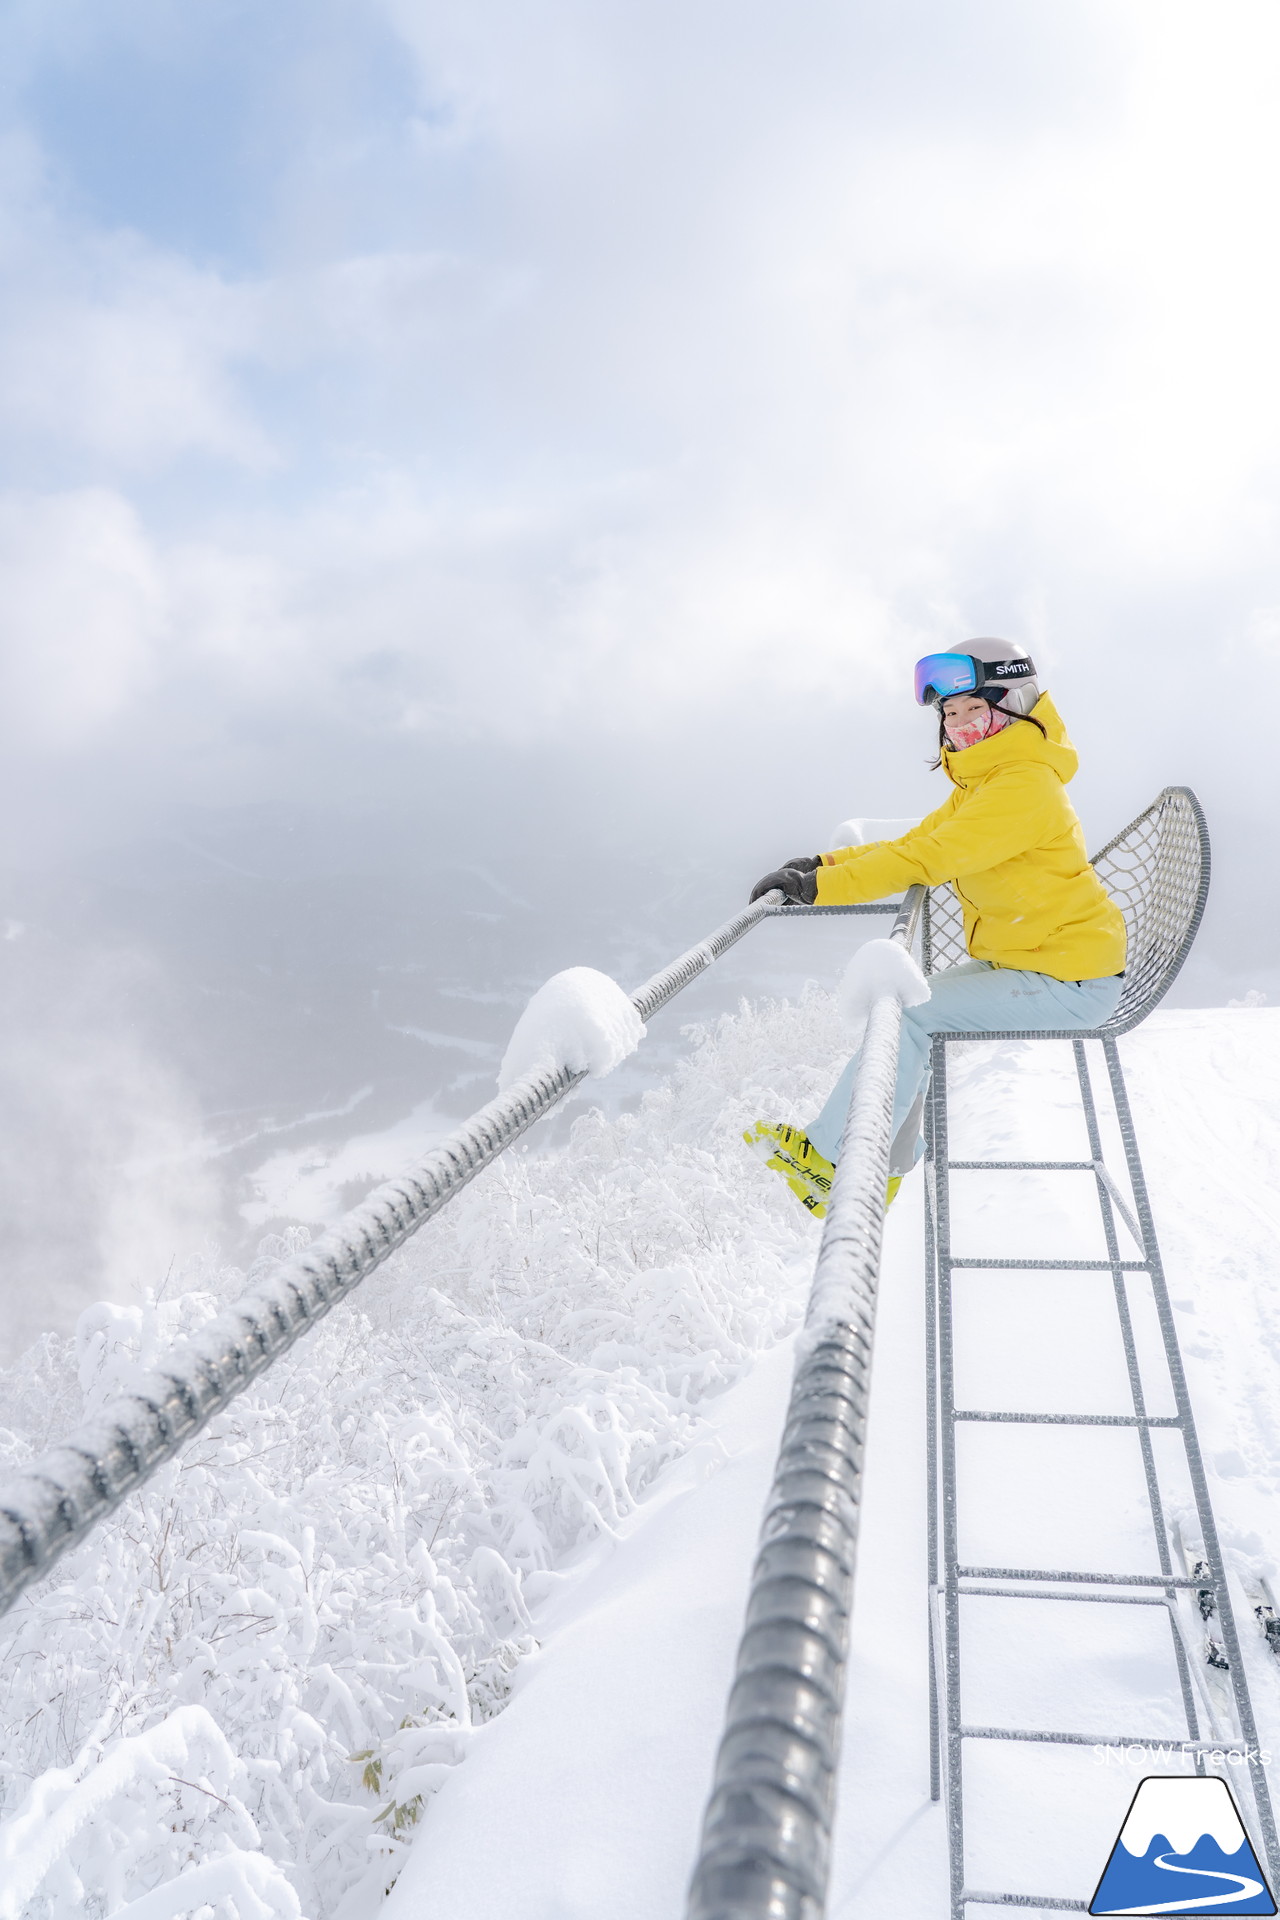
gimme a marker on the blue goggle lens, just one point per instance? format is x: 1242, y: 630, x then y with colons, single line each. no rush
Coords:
x: 939, y: 675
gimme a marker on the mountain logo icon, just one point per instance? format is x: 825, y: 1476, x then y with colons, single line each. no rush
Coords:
x: 1182, y: 1850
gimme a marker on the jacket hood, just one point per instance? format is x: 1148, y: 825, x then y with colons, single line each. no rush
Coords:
x: 1053, y: 748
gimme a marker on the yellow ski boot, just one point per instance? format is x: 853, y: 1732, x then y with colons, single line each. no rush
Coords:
x: 791, y: 1153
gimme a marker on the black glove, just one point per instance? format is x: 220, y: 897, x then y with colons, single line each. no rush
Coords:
x: 802, y: 888
x: 805, y: 862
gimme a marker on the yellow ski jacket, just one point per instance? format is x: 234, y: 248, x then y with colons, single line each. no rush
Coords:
x: 1009, y: 840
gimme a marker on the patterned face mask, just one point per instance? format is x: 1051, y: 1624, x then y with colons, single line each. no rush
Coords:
x: 967, y: 733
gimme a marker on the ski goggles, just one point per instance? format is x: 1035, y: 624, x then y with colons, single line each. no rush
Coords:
x: 939, y: 675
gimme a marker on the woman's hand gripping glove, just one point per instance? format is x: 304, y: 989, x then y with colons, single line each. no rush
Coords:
x: 799, y: 888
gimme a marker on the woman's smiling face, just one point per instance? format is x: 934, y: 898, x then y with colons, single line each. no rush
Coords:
x: 966, y: 720
x: 962, y: 709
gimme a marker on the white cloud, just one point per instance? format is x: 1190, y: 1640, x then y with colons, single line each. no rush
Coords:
x: 697, y: 353
x: 137, y: 373
x: 102, y: 1191
x: 112, y: 350
x: 83, y: 611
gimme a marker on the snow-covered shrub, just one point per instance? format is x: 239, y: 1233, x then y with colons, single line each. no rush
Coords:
x: 242, y: 1690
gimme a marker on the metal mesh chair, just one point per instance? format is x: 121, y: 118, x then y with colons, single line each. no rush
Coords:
x: 1157, y: 872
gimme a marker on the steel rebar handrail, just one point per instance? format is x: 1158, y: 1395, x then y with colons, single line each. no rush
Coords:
x: 766, y: 1836
x: 50, y: 1504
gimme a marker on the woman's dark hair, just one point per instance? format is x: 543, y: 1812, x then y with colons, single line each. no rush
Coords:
x: 999, y: 707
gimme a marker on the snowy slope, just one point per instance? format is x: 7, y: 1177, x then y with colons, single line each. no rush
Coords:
x: 536, y: 1446
x: 586, y: 1795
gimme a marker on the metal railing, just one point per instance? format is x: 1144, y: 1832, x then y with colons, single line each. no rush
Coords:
x: 952, y: 1582
x: 50, y: 1504
x: 766, y: 1836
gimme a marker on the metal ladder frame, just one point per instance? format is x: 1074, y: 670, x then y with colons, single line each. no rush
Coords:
x: 950, y: 1580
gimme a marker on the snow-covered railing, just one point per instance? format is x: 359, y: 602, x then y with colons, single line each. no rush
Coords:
x: 766, y: 1836
x: 47, y: 1506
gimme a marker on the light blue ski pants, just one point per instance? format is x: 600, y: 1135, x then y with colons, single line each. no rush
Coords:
x: 973, y: 997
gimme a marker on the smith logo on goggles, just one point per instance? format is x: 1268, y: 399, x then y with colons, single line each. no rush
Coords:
x: 939, y: 675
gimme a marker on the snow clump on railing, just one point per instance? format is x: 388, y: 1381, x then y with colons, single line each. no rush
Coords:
x: 579, y: 1019
x: 878, y: 968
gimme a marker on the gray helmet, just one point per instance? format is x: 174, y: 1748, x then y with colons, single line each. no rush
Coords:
x: 1016, y: 692
x: 996, y: 670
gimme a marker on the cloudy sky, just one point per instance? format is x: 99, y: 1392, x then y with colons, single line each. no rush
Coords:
x: 538, y: 440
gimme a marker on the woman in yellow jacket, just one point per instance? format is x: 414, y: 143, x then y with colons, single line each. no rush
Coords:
x: 1047, y: 944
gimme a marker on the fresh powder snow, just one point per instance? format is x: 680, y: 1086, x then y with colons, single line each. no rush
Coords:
x: 876, y: 969
x: 447, y: 1603
x: 864, y: 832
x: 579, y: 1019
